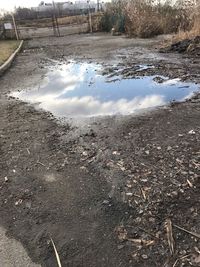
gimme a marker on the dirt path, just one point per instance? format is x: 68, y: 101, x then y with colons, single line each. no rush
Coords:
x: 98, y: 189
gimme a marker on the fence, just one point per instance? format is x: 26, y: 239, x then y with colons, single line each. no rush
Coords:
x: 52, y: 26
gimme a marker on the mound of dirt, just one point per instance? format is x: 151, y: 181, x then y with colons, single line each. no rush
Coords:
x: 191, y: 46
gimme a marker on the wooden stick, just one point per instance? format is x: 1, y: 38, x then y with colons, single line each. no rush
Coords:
x: 186, y: 231
x: 16, y: 33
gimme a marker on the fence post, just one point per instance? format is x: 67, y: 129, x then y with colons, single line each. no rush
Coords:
x: 56, y: 20
x: 15, y: 27
x: 90, y: 16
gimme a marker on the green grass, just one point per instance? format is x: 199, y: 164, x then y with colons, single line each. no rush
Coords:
x: 6, y: 49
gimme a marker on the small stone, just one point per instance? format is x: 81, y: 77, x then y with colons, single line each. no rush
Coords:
x: 144, y: 256
x: 151, y: 219
x: 169, y: 148
x: 174, y: 193
x: 18, y: 202
x: 159, y: 147
x: 191, y: 132
x: 83, y: 168
x: 120, y: 247
x: 147, y: 152
x: 184, y: 173
x: 138, y: 220
x: 116, y: 153
x: 85, y: 153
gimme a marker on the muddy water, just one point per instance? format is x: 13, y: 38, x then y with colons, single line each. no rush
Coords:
x: 80, y: 89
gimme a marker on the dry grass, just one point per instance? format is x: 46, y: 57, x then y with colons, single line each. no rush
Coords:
x: 6, y: 49
x: 73, y: 20
x: 195, y: 31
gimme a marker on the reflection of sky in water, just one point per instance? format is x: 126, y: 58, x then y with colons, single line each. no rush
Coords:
x: 79, y: 90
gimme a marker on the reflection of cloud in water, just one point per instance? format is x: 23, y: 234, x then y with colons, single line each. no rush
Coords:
x: 77, y: 89
x: 60, y: 81
x: 89, y: 106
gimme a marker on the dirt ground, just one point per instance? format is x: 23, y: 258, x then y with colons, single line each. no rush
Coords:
x: 105, y: 192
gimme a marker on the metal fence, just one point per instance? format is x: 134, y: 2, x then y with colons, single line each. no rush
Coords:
x: 52, y: 26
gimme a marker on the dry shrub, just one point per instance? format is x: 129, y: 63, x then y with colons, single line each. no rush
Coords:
x: 114, y: 17
x: 145, y: 18
x: 193, y: 29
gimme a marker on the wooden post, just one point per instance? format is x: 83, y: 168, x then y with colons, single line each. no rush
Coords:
x: 98, y: 6
x: 90, y: 16
x: 56, y: 20
x: 15, y: 27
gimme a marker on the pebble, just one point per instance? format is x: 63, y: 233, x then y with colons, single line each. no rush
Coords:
x: 191, y: 132
x: 144, y: 256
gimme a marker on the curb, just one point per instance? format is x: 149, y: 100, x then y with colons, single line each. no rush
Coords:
x: 9, y: 61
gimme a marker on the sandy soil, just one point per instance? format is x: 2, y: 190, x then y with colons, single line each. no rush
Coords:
x: 104, y: 192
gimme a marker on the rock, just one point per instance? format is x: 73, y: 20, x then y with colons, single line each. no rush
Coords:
x: 144, y: 256
x: 191, y: 132
x: 116, y: 153
x: 158, y: 79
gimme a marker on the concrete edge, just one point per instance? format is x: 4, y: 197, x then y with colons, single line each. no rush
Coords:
x: 9, y: 61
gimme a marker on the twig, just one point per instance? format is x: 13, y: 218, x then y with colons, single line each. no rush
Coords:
x: 175, y: 262
x: 189, y: 183
x: 56, y: 253
x: 186, y: 256
x: 141, y: 241
x: 143, y: 193
x: 196, y: 164
x: 38, y: 162
x: 147, y: 232
x: 170, y: 239
x: 28, y: 151
x: 189, y: 232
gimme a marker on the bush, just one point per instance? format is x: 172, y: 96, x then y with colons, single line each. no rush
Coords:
x: 147, y: 18
x: 113, y: 17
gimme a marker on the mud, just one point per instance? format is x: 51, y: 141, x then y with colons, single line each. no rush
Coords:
x: 103, y: 190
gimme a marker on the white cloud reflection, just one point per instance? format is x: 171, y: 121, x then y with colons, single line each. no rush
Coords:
x: 89, y: 106
x: 76, y: 89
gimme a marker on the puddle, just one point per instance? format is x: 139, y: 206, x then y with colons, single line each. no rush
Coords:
x: 79, y: 89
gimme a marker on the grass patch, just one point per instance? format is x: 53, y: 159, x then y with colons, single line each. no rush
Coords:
x: 6, y: 49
